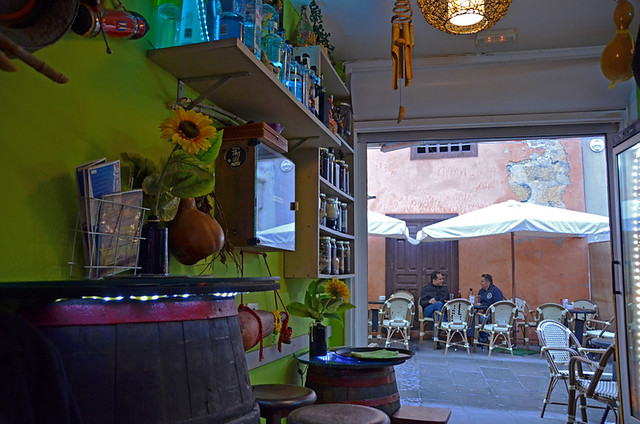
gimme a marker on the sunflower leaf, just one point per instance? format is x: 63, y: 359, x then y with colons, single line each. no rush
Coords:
x: 209, y: 157
x: 299, y: 310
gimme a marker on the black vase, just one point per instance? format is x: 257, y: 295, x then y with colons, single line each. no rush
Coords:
x: 153, y: 258
x: 318, y: 340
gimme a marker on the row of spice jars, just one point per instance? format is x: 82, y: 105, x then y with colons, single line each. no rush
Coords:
x: 333, y: 214
x: 335, y: 256
x: 335, y: 171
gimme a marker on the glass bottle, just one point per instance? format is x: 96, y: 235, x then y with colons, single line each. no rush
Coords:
x: 340, y: 256
x: 330, y: 168
x: 212, y: 19
x: 232, y: 19
x: 334, y: 257
x: 332, y: 212
x: 347, y: 257
x: 253, y: 26
x: 324, y: 162
x: 346, y: 178
x: 168, y: 19
x: 193, y: 28
x: 304, y: 35
x: 268, y: 14
x: 322, y: 214
x: 273, y: 48
x: 344, y: 215
x: 340, y: 174
x: 154, y: 248
x: 286, y: 58
x: 325, y: 254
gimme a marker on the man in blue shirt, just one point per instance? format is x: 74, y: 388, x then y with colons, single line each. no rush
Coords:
x: 487, y: 296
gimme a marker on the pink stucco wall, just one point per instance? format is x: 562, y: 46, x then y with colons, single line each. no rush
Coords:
x: 547, y: 270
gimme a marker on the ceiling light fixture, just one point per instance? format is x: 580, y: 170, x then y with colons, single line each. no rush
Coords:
x: 463, y: 16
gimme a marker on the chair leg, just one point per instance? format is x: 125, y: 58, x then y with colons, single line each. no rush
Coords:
x: 583, y: 407
x: 547, y: 397
x: 421, y: 331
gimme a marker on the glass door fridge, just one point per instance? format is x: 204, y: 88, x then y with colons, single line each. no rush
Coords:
x: 624, y: 180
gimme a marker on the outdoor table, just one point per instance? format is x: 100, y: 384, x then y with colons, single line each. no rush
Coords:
x: 580, y: 316
x: 339, y: 379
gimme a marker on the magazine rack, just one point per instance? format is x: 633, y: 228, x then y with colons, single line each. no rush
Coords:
x: 110, y: 236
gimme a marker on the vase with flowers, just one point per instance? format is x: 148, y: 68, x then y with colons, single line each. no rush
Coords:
x: 169, y: 191
x: 323, y: 299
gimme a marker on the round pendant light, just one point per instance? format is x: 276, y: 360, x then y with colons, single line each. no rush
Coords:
x: 463, y: 16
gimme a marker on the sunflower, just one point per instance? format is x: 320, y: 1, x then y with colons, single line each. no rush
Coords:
x: 188, y: 129
x: 337, y: 289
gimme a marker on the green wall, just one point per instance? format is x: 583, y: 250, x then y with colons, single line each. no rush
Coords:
x: 111, y: 104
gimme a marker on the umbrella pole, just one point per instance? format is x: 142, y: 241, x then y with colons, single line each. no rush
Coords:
x: 513, y: 269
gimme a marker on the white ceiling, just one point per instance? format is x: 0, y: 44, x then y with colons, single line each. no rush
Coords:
x: 551, y: 71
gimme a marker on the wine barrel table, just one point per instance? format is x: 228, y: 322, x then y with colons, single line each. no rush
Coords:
x: 338, y: 379
x: 167, y: 358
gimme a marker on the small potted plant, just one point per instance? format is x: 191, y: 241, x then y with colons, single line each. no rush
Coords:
x: 323, y: 299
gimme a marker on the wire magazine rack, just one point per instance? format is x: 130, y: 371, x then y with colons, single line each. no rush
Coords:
x: 109, y: 231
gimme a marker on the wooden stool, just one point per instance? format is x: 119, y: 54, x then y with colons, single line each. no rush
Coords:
x: 337, y: 413
x: 409, y: 414
x: 278, y: 400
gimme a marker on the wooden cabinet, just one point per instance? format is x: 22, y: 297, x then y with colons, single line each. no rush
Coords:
x: 228, y: 74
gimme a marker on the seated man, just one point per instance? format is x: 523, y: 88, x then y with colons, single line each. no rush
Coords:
x: 433, y: 295
x: 488, y: 295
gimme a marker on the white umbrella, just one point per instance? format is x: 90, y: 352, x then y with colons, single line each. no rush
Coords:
x: 516, y: 218
x: 386, y: 226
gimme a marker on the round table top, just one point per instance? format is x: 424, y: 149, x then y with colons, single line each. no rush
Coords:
x: 332, y: 359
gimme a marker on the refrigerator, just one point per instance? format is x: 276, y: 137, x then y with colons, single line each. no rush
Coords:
x: 624, y: 192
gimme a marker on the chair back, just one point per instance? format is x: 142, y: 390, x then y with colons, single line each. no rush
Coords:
x: 503, y: 313
x: 557, y: 341
x: 553, y: 311
x: 458, y: 311
x: 398, y: 309
x: 586, y: 304
x: 523, y: 313
x: 403, y: 293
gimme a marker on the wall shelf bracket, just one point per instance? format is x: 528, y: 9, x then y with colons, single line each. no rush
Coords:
x: 300, y: 142
x: 222, y: 79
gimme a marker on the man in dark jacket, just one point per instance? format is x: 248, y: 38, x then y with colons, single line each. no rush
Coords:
x: 433, y: 295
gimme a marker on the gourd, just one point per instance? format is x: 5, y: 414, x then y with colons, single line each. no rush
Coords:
x: 615, y: 61
x: 194, y: 235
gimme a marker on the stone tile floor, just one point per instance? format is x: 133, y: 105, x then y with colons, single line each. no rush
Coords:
x: 476, y: 388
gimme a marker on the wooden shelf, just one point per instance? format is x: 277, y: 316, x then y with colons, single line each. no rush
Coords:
x: 251, y: 89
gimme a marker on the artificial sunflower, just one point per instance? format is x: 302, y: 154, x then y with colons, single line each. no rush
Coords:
x: 337, y: 289
x: 323, y: 300
x: 188, y: 129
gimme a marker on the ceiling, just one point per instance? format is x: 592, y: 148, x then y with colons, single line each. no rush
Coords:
x: 551, y: 70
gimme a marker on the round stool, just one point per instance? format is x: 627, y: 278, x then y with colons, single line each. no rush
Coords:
x: 337, y: 413
x: 278, y: 400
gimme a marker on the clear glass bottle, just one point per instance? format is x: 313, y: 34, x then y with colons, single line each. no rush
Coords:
x: 333, y: 212
x: 168, y: 19
x: 273, y: 48
x: 232, y: 19
x: 344, y: 218
x: 322, y: 213
x: 340, y: 174
x: 340, y: 256
x: 347, y: 257
x: 334, y: 257
x: 346, y: 178
x: 286, y: 57
x: 330, y: 167
x: 193, y: 26
x: 304, y: 35
x: 253, y: 26
x: 325, y: 255
x: 268, y: 15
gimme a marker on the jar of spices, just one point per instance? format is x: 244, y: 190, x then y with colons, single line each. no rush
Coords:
x: 333, y: 212
x: 347, y: 257
x: 324, y: 162
x: 322, y: 211
x: 346, y: 178
x: 340, y: 256
x: 334, y: 257
x: 325, y: 255
x: 330, y: 165
x: 344, y: 221
x: 339, y: 220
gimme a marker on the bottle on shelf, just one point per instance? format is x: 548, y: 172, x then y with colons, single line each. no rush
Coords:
x: 325, y: 255
x: 232, y: 19
x: 273, y: 49
x: 304, y: 35
x: 193, y: 28
x: 340, y: 256
x: 344, y: 218
x: 253, y: 26
x: 286, y: 58
x: 333, y: 212
x: 334, y: 257
x: 168, y: 19
x: 347, y: 257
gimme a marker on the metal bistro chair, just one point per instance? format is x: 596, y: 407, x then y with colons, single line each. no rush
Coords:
x: 595, y: 386
x: 497, y: 323
x: 396, y: 316
x: 455, y: 318
x: 559, y: 345
x: 524, y: 320
x: 555, y: 312
x: 586, y: 304
x: 597, y: 329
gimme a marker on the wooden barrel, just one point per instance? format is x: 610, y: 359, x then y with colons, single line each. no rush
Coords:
x: 375, y: 387
x: 153, y: 362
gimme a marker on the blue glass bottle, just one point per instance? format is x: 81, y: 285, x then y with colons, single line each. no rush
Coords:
x: 194, y: 27
x: 253, y: 26
x: 273, y: 48
x: 168, y: 19
x: 232, y: 19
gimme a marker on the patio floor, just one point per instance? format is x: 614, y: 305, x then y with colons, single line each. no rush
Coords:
x: 476, y: 388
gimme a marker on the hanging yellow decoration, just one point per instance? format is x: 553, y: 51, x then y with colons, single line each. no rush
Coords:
x: 615, y: 61
x: 402, y: 46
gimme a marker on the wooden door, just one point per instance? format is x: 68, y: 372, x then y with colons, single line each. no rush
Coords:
x: 409, y: 267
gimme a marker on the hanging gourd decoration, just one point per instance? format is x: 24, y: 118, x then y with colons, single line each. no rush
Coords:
x: 615, y: 61
x: 194, y: 235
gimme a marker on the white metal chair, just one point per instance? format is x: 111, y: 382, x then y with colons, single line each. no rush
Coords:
x: 497, y: 322
x: 555, y: 312
x: 524, y: 320
x: 558, y: 344
x: 586, y: 304
x: 396, y: 316
x: 591, y: 385
x: 454, y: 319
x: 599, y: 330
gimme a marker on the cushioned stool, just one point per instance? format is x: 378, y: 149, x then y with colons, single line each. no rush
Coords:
x: 410, y: 414
x: 337, y: 413
x: 278, y: 400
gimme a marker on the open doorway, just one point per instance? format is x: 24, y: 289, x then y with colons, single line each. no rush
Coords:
x: 455, y: 178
